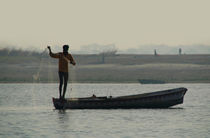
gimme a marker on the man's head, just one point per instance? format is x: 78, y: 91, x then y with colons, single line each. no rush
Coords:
x: 65, y: 48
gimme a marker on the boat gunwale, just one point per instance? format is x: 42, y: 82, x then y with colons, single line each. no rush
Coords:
x: 129, y: 97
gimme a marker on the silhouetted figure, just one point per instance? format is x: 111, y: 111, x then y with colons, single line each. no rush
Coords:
x: 155, y: 52
x: 93, y: 96
x: 180, y: 51
x: 64, y: 57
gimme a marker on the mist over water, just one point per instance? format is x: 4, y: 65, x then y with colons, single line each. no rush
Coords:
x: 26, y: 110
x: 96, y: 48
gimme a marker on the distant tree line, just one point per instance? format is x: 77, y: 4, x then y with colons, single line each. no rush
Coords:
x: 20, y: 52
x: 107, y: 53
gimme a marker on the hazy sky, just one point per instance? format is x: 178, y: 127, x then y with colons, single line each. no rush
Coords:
x: 126, y: 23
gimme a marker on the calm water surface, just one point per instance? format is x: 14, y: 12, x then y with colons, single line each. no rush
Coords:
x: 26, y: 110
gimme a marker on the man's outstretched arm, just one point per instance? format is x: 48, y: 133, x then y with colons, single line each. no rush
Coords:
x: 52, y: 54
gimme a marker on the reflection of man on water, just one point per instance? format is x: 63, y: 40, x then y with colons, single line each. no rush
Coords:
x: 64, y: 57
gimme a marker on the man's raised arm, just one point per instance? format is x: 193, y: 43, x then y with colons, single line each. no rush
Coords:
x: 52, y: 54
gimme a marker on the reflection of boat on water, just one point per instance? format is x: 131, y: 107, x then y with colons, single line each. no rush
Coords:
x: 147, y: 81
x: 159, y: 99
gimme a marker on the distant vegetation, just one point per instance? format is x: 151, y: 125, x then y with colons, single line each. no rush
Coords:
x: 108, y: 66
x: 19, y: 52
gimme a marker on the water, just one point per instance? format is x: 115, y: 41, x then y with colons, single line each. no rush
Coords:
x: 26, y: 110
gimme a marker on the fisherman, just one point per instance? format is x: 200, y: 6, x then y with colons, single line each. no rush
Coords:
x: 64, y: 57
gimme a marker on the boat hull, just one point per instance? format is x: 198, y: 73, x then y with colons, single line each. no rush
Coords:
x: 160, y: 99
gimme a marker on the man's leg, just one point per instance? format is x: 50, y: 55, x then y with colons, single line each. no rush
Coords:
x: 66, y: 76
x: 61, y: 82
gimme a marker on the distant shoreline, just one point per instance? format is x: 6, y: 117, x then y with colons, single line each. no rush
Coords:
x: 2, y: 82
x: 97, y: 68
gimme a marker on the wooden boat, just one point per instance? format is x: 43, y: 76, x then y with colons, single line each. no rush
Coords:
x: 159, y: 99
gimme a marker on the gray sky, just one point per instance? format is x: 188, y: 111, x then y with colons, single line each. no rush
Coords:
x: 125, y: 23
